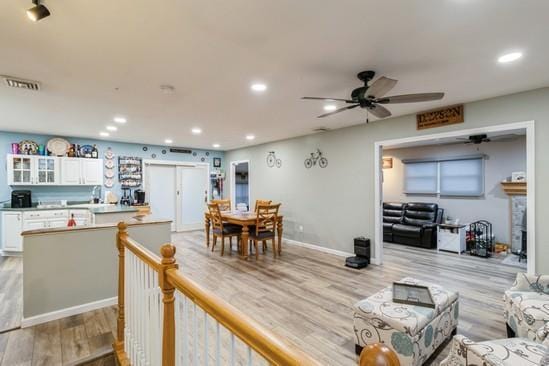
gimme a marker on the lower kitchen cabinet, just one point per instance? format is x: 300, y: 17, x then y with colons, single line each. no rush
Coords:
x: 11, y: 228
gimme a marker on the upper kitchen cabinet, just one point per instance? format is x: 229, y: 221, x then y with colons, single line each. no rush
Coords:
x: 33, y: 170
x: 81, y: 171
x: 50, y: 170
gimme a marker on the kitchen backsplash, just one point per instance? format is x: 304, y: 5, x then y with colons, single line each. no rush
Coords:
x: 73, y: 193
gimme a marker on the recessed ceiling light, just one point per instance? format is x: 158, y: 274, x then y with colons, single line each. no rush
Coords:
x: 509, y: 57
x: 104, y: 134
x: 168, y: 141
x: 216, y: 146
x: 330, y: 107
x: 250, y: 137
x: 258, y: 87
x: 120, y: 120
x: 196, y: 131
x: 112, y: 128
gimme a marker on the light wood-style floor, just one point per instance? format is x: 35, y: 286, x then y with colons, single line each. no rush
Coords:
x: 11, y: 292
x: 305, y: 296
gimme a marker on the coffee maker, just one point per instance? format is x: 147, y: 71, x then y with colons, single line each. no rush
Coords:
x: 139, y: 197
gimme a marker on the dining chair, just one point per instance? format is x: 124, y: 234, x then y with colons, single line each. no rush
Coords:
x: 261, y: 202
x: 224, y: 205
x: 222, y: 230
x: 265, y: 226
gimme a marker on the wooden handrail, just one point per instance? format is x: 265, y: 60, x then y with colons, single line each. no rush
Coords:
x: 251, y: 333
x: 261, y: 340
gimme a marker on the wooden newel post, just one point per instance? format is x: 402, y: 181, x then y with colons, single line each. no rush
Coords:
x: 168, y: 333
x: 119, y: 342
x: 378, y: 355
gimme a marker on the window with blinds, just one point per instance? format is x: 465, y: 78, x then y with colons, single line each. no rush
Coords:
x: 446, y: 177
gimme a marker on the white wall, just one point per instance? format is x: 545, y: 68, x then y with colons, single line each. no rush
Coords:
x: 337, y: 203
x: 503, y: 158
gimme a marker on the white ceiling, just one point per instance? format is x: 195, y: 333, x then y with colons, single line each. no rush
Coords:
x: 96, y: 59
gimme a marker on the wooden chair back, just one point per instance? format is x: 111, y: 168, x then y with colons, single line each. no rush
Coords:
x: 266, y: 218
x: 224, y: 205
x: 215, y: 216
x: 261, y: 202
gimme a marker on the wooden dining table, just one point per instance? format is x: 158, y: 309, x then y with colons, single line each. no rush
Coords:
x: 244, y: 219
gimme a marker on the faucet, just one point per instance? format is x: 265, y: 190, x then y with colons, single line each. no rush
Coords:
x: 94, y: 191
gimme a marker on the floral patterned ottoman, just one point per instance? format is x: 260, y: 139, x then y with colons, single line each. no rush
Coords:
x: 413, y: 332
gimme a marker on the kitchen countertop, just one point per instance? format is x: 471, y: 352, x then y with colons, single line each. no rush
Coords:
x: 138, y: 220
x: 99, y: 209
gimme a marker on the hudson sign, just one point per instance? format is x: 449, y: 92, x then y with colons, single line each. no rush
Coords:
x: 440, y: 117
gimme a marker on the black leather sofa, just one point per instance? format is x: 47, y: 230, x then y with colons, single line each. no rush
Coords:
x: 411, y: 223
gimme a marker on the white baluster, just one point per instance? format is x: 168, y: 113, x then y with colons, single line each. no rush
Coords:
x: 232, y: 348
x: 195, y: 336
x: 217, y: 344
x: 186, y: 331
x: 205, y: 338
x: 249, y: 355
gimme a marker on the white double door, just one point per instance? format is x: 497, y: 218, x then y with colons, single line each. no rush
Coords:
x: 178, y: 193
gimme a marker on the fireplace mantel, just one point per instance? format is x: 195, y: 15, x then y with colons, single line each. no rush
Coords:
x: 514, y: 188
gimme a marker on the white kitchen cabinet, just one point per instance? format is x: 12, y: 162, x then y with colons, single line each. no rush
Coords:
x: 20, y: 169
x: 34, y: 225
x: 71, y: 171
x: 11, y: 228
x: 92, y: 171
x: 46, y: 170
x: 82, y: 217
x: 78, y: 171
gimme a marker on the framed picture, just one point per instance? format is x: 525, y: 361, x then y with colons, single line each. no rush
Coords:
x: 417, y: 295
x: 217, y: 162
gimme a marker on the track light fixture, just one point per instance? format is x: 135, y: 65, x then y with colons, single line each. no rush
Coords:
x: 38, y: 12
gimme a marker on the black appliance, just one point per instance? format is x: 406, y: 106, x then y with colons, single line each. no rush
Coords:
x: 139, y: 197
x: 21, y: 199
x: 362, y: 251
x: 126, y: 199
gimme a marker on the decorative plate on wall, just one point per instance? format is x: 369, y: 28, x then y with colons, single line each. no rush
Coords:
x: 109, y: 173
x: 58, y: 146
x: 109, y: 183
x: 109, y: 154
x: 109, y: 164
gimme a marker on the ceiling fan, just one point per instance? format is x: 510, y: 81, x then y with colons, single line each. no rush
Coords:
x: 479, y: 139
x: 372, y: 96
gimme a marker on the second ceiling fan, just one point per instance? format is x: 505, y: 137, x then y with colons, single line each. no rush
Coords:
x: 371, y: 97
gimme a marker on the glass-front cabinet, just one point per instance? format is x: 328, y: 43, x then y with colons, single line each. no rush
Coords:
x: 32, y: 170
x: 47, y: 170
x: 20, y: 168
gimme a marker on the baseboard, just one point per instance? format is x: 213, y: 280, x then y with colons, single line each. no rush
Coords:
x: 339, y: 253
x: 63, y: 313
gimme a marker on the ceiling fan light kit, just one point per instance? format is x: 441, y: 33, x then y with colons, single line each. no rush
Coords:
x: 370, y: 97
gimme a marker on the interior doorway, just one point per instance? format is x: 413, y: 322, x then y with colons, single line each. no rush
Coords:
x: 524, y: 129
x: 178, y: 192
x: 240, y: 185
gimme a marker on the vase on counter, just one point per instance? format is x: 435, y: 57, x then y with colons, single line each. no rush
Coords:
x: 15, y: 148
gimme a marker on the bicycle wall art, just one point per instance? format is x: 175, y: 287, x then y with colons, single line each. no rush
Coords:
x: 316, y: 157
x: 273, y: 161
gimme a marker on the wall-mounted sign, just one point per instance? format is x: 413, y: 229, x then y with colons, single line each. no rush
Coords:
x: 440, y: 117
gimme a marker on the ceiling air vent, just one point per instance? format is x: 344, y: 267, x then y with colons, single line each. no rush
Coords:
x: 21, y: 83
x: 321, y: 129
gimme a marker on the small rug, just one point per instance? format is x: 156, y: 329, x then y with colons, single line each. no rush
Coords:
x: 513, y: 260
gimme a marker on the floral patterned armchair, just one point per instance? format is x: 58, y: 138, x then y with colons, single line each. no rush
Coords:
x: 527, y: 306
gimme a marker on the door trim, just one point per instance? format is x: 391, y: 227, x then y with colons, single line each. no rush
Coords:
x: 529, y: 126
x: 232, y: 184
x: 180, y: 227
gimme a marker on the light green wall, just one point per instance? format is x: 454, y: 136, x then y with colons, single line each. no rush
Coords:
x: 336, y: 204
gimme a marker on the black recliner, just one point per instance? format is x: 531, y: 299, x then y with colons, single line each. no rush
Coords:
x: 392, y: 214
x: 419, y: 225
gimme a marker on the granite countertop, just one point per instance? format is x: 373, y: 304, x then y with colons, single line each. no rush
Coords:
x: 95, y: 209
x: 137, y: 220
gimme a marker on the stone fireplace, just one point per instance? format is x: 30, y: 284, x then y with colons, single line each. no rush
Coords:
x: 517, y: 196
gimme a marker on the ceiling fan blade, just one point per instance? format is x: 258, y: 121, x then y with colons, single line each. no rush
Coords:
x: 379, y: 111
x: 338, y: 110
x: 328, y: 99
x: 410, y: 98
x: 380, y: 87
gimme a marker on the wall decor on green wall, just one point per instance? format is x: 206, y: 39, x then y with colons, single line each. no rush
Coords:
x: 273, y: 161
x: 316, y: 157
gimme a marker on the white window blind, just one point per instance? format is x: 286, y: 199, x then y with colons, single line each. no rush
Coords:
x: 421, y: 178
x: 462, y: 177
